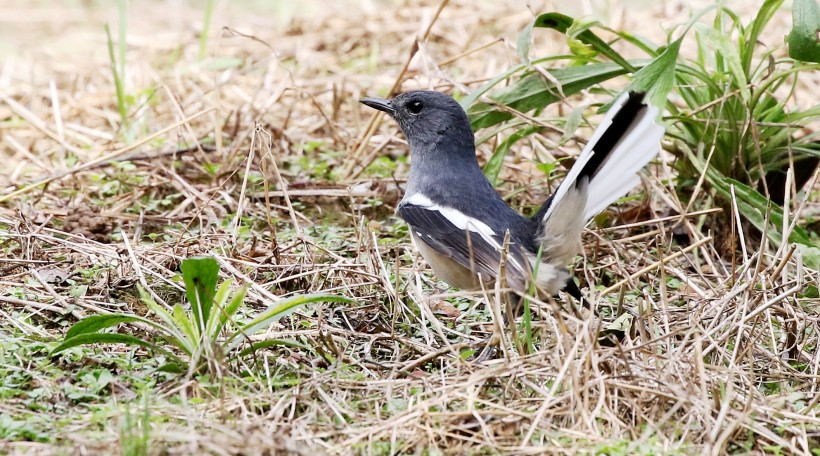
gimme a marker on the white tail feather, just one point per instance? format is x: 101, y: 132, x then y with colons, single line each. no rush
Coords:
x: 586, y: 154
x: 618, y: 174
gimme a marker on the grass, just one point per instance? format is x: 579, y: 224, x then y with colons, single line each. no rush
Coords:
x: 263, y: 165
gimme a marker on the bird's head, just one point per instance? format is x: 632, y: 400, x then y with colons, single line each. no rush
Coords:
x: 427, y: 118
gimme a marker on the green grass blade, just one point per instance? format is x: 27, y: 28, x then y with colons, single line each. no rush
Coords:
x: 118, y: 80
x: 106, y: 338
x: 95, y: 323
x: 217, y: 311
x: 722, y: 46
x: 173, y: 330
x: 188, y: 335
x: 762, y: 18
x: 229, y: 312
x: 279, y: 310
x: 206, y: 27
x: 273, y: 343
x: 752, y: 205
x: 533, y: 91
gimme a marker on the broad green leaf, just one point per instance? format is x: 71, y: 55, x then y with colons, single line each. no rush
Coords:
x: 811, y: 256
x: 496, y: 162
x: 563, y: 23
x: 106, y: 338
x: 523, y: 44
x: 658, y: 77
x: 533, y: 91
x: 200, y: 276
x: 804, y: 44
x: 95, y: 323
x: 277, y: 311
x: 272, y: 343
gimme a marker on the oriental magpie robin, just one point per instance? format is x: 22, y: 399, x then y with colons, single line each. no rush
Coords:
x: 457, y: 220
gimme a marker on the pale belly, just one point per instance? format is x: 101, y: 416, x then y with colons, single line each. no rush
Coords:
x: 550, y: 279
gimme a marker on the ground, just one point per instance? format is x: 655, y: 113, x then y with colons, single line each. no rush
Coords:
x: 241, y: 138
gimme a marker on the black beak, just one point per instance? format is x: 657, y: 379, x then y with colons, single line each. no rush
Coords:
x: 379, y: 103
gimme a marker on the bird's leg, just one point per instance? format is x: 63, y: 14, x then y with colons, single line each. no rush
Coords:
x: 512, y: 308
x: 572, y: 289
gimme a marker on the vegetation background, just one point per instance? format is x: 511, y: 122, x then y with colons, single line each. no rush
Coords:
x: 231, y: 129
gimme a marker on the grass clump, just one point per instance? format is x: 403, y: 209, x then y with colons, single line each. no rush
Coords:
x: 207, y: 334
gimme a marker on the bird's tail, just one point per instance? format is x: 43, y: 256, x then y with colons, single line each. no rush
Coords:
x: 625, y: 141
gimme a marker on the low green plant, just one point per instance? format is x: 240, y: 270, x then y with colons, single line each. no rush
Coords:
x: 205, y: 334
x: 135, y: 430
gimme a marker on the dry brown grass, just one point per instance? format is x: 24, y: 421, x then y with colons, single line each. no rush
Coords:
x: 723, y: 358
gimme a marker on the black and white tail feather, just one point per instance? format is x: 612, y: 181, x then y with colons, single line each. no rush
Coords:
x: 607, y: 169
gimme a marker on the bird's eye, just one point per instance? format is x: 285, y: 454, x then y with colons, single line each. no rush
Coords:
x: 415, y: 107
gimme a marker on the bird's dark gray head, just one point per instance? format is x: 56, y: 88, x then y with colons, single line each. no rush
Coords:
x: 431, y: 121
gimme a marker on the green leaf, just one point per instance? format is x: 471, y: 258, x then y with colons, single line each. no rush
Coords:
x: 621, y: 324
x: 277, y: 311
x: 94, y: 323
x: 200, y: 276
x: 106, y: 338
x: 763, y: 16
x: 754, y: 206
x: 751, y: 204
x: 563, y: 23
x: 185, y: 327
x: 533, y: 91
x: 172, y: 368
x: 494, y: 165
x: 723, y: 47
x: 272, y: 343
x: 172, y: 331
x: 547, y: 168
x: 804, y: 39
x: 572, y: 123
x: 658, y: 77
x: 523, y: 44
x: 220, y: 298
x: 229, y: 311
x: 811, y: 255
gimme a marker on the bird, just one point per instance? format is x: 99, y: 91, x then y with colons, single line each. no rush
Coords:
x: 463, y: 228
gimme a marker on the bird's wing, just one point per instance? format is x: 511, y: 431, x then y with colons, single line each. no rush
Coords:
x: 469, y: 242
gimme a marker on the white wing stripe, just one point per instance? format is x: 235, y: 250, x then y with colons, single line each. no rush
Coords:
x: 460, y: 220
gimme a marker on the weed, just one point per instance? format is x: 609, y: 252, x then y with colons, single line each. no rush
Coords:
x: 198, y: 333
